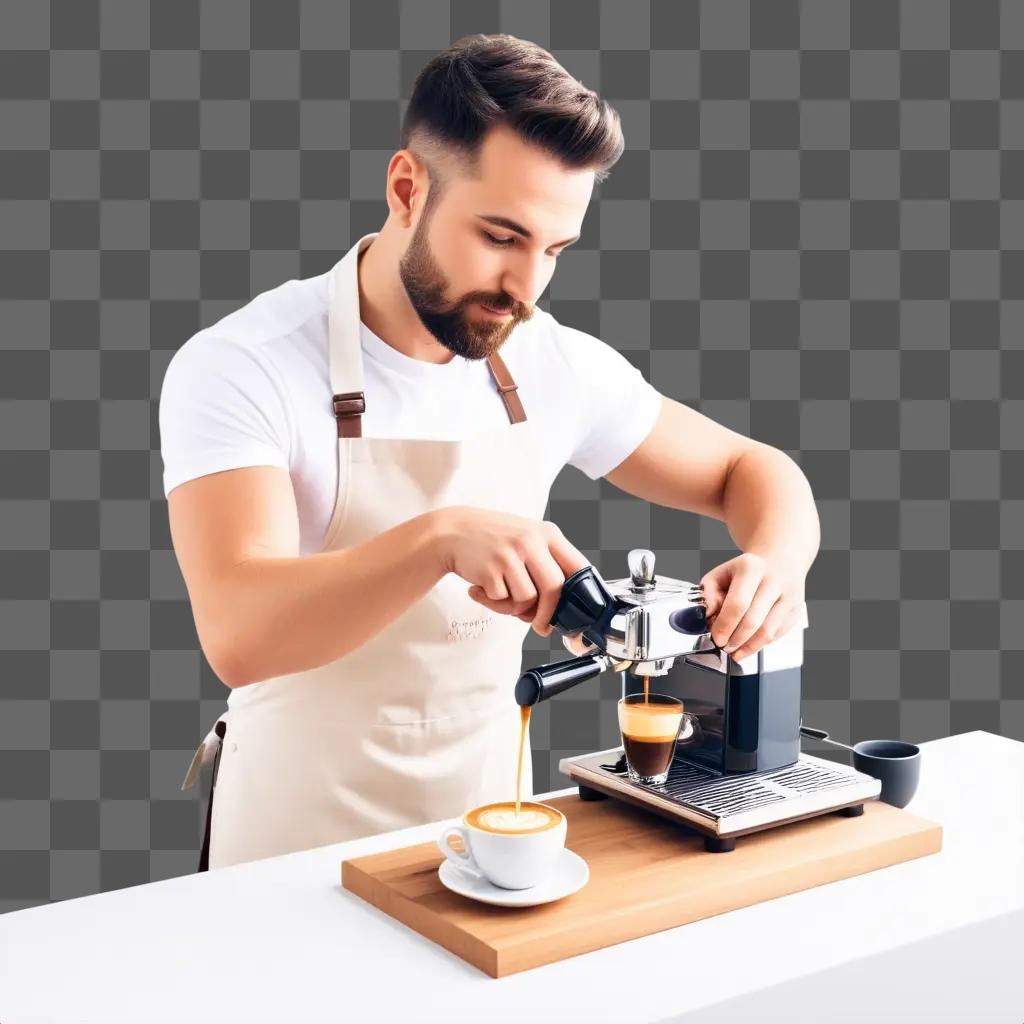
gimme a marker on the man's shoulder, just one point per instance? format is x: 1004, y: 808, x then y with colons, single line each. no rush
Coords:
x: 275, y: 313
x: 274, y: 318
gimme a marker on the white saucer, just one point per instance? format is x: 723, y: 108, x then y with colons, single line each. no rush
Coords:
x: 570, y: 875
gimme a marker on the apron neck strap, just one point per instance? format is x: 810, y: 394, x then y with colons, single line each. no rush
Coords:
x: 508, y: 388
x: 345, y: 356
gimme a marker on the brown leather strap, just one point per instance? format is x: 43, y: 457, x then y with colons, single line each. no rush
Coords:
x: 348, y: 411
x: 350, y: 405
x: 508, y: 388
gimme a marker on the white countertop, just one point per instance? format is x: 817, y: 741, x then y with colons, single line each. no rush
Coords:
x: 935, y: 939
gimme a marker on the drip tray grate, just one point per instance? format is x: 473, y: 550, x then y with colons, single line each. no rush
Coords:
x: 730, y: 803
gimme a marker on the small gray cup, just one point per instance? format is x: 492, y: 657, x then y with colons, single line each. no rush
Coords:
x: 895, y: 763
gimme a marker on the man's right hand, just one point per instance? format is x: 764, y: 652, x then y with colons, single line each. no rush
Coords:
x: 514, y: 565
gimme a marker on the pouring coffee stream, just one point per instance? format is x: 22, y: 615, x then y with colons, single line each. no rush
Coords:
x: 524, y: 725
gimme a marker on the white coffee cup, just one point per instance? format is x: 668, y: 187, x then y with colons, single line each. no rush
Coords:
x: 509, y: 860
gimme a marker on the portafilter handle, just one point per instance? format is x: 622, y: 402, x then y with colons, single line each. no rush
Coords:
x: 539, y: 684
x: 585, y: 607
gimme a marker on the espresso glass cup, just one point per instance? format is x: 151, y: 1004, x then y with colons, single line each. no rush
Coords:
x: 509, y: 860
x: 649, y: 730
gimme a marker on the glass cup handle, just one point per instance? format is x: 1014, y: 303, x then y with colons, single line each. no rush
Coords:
x: 464, y: 860
x: 695, y: 738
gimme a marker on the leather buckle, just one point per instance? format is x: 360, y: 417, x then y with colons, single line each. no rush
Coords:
x: 351, y: 403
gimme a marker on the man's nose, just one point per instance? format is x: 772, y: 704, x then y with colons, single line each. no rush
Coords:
x: 526, y: 280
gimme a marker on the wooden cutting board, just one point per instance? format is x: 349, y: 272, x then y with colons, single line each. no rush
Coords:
x: 646, y: 874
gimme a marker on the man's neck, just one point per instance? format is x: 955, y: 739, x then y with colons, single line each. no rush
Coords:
x: 384, y: 305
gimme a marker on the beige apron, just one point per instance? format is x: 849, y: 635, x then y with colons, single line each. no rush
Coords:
x: 420, y: 722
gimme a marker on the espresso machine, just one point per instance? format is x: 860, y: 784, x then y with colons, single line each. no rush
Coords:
x: 737, y: 766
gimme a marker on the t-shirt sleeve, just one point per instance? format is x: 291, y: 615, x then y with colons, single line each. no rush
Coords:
x: 222, y: 407
x: 617, y: 405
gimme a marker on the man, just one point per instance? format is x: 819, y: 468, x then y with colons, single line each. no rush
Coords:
x: 357, y: 466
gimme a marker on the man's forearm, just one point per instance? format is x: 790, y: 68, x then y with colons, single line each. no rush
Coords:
x: 277, y: 616
x: 769, y: 507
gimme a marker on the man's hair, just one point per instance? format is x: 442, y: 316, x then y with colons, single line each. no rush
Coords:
x: 482, y: 81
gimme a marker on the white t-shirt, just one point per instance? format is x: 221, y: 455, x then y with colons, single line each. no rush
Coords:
x: 253, y: 390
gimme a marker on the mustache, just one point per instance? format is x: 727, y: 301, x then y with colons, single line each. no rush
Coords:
x: 502, y: 305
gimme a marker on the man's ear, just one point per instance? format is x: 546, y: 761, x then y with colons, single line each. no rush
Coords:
x: 405, y: 191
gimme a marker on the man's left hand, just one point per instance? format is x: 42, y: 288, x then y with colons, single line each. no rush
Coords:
x: 751, y: 600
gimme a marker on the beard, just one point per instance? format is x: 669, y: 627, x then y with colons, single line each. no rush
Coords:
x: 453, y: 324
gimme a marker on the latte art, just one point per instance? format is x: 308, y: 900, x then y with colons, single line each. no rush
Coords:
x: 503, y: 818
x: 509, y: 821
x: 513, y: 844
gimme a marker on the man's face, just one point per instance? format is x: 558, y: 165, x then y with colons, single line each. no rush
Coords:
x: 466, y: 256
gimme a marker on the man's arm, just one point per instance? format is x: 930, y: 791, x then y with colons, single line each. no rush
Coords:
x: 690, y: 462
x: 262, y: 610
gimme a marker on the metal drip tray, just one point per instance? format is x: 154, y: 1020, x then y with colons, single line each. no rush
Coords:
x: 729, y: 805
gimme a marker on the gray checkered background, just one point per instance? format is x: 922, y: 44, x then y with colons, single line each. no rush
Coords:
x: 815, y: 236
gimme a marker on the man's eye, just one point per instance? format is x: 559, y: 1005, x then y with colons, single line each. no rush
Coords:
x: 504, y: 243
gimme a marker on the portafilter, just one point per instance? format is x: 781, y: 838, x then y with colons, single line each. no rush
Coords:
x: 640, y: 624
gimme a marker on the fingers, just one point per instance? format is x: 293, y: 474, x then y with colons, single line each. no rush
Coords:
x: 765, y: 597
x: 796, y: 619
x: 506, y: 606
x: 522, y: 590
x: 495, y: 589
x: 547, y: 582
x: 742, y: 589
x: 714, y: 595
x: 768, y: 630
x: 548, y: 576
x: 546, y: 567
x: 567, y: 556
x: 529, y: 584
x: 533, y: 588
x: 512, y: 593
x: 564, y: 559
